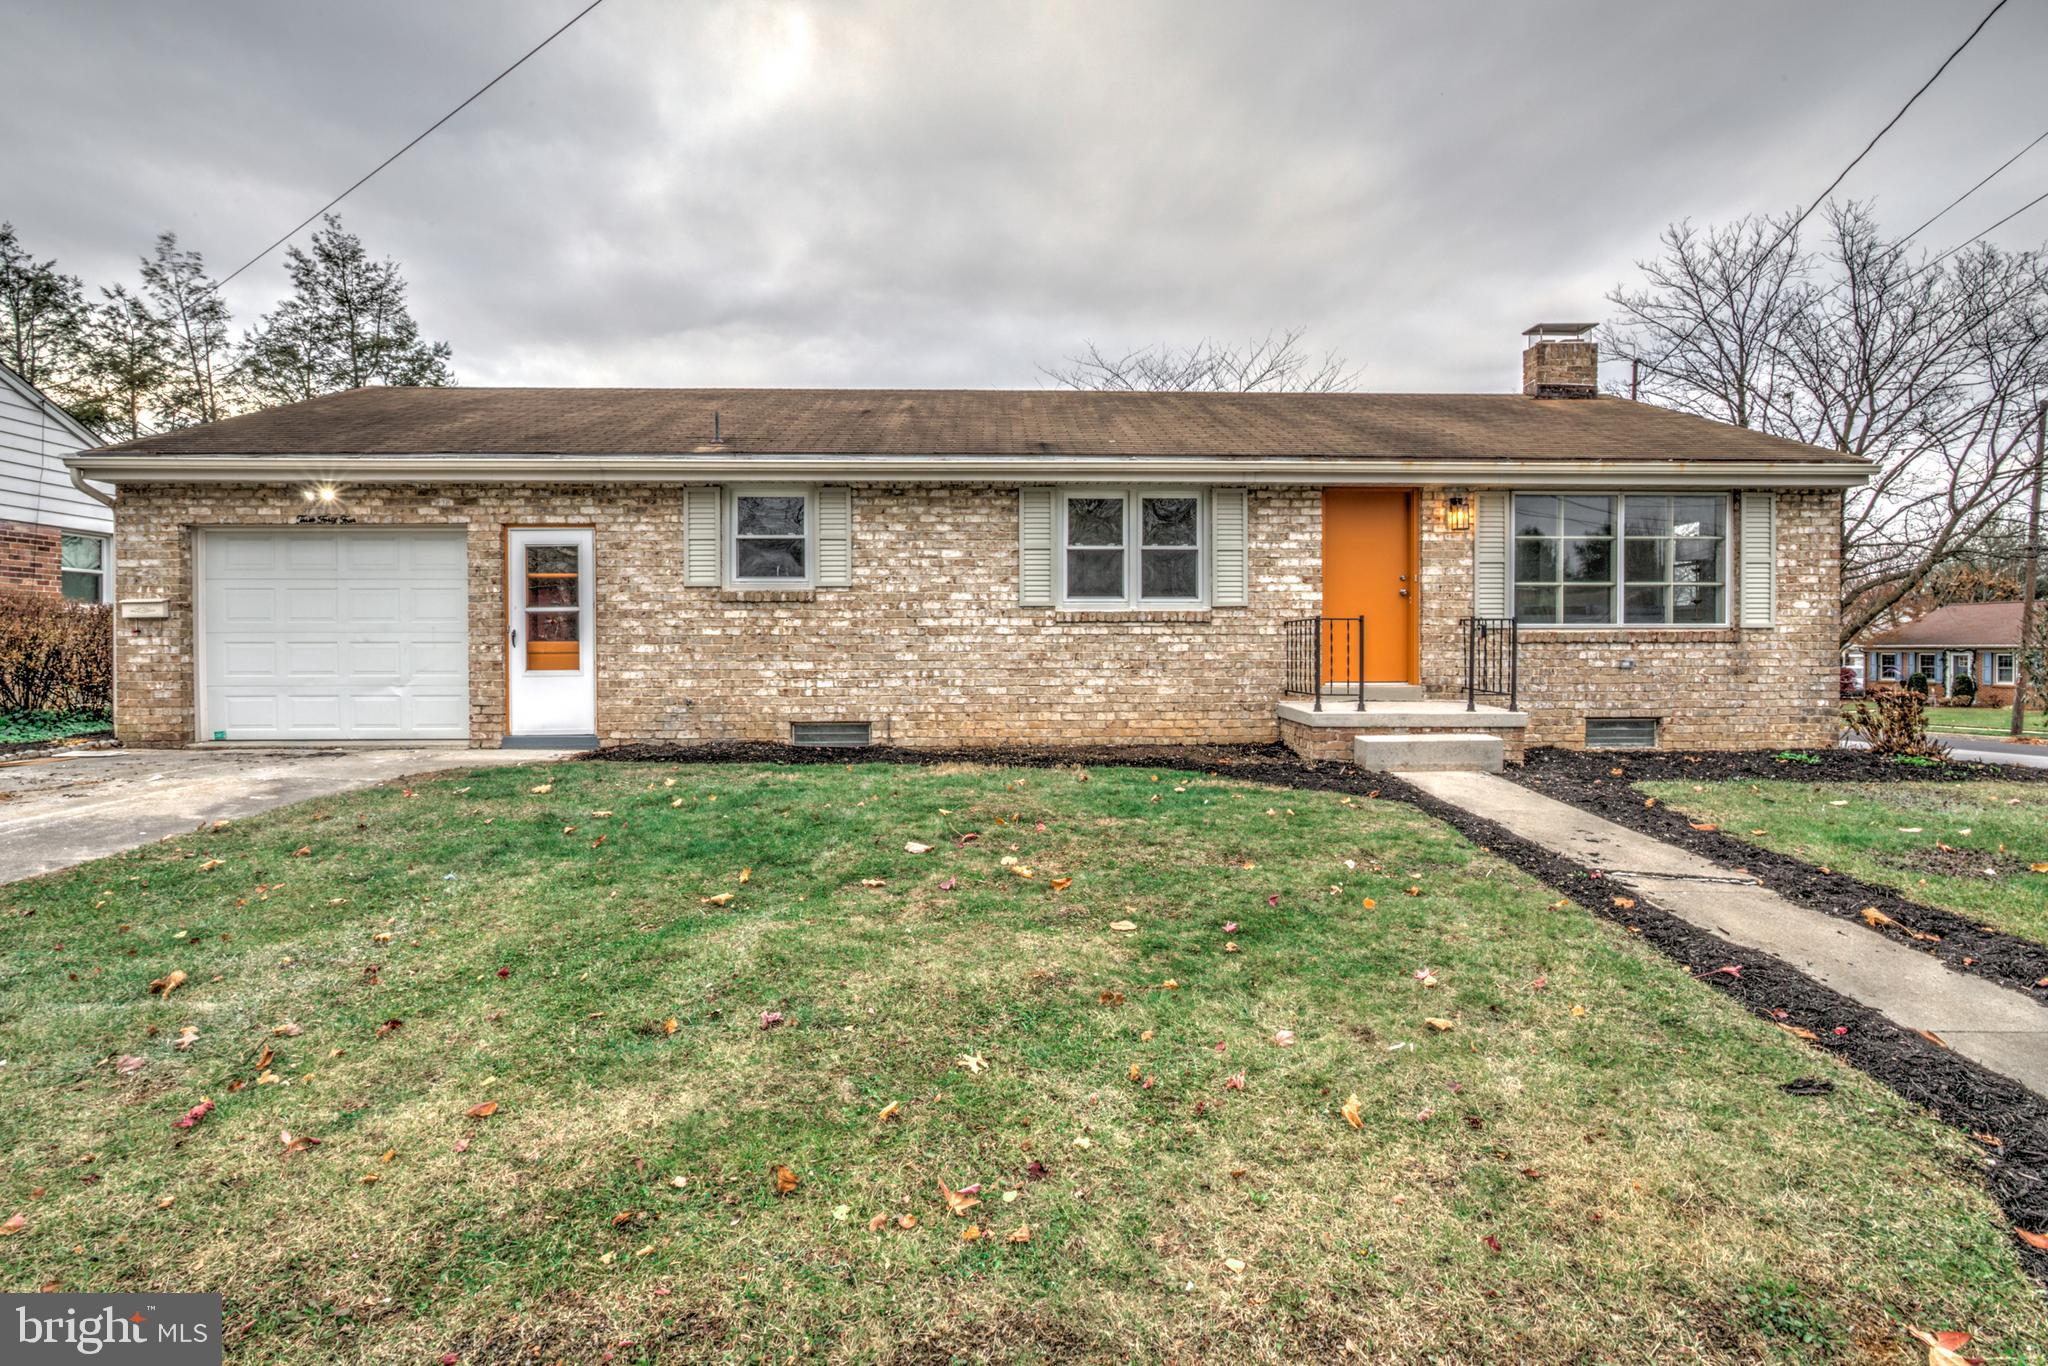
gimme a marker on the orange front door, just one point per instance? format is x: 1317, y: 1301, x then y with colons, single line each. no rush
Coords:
x: 1369, y: 571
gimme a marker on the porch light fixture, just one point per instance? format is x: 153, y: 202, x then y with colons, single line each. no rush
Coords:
x: 1458, y: 513
x: 322, y: 493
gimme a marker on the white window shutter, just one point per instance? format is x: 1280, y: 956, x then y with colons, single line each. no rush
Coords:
x: 1490, y: 547
x: 835, y: 537
x: 1759, y: 559
x: 700, y: 537
x: 1230, y: 556
x: 1034, y: 547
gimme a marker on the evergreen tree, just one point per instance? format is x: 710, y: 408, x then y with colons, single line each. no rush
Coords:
x: 195, y: 319
x: 345, y: 326
x: 124, y: 361
x: 41, y: 314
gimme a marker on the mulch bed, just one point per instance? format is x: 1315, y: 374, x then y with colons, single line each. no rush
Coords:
x: 1589, y: 781
x: 1977, y: 1101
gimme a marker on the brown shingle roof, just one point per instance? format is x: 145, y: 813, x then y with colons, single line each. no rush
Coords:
x: 1023, y: 422
x: 1987, y: 625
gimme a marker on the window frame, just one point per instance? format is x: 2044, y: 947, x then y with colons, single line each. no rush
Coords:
x: 1618, y: 584
x: 729, y: 537
x: 1926, y: 663
x: 2005, y: 668
x: 102, y: 575
x: 1133, y: 548
x: 1888, y: 662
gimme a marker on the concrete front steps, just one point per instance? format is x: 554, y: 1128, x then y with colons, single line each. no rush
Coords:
x: 1399, y: 728
x: 1430, y: 752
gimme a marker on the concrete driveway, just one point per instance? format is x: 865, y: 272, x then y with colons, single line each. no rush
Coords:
x: 62, y: 811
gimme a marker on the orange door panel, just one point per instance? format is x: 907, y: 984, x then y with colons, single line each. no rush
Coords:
x: 1369, y: 571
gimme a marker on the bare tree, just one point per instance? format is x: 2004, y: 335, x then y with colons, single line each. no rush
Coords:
x: 1928, y: 368
x: 1275, y: 363
x: 188, y: 303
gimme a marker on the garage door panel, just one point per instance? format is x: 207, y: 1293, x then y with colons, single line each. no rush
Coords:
x: 332, y: 634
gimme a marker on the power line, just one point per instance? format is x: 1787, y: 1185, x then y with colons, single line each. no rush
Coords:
x: 414, y: 143
x: 1974, y: 188
x: 1987, y: 232
x: 1843, y: 174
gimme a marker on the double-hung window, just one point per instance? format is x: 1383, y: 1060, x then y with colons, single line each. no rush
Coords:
x: 82, y: 567
x: 770, y: 538
x: 1888, y: 668
x: 2002, y: 668
x: 1609, y: 559
x: 1123, y: 548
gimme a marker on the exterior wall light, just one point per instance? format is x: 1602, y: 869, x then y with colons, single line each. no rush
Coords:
x: 322, y: 493
x: 1458, y: 513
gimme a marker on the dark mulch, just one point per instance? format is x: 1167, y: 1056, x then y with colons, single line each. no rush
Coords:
x: 1959, y: 1092
x: 1589, y: 781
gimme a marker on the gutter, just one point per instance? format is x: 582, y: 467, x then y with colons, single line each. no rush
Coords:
x: 714, y: 467
x: 78, y: 482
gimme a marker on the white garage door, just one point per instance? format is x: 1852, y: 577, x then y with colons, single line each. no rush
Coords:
x: 320, y: 633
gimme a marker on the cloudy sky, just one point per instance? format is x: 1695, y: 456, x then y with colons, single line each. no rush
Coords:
x: 949, y: 194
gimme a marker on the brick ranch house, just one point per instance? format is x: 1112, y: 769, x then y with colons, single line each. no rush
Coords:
x: 941, y: 568
x: 54, y: 536
x: 1977, y: 640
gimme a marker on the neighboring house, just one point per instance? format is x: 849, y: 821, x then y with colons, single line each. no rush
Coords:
x: 54, y: 538
x: 938, y: 568
x: 1978, y: 639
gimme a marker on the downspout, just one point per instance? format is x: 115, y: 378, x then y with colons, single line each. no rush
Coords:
x: 78, y: 482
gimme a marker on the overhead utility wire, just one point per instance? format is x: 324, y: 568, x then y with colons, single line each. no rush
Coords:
x: 1843, y: 174
x: 408, y: 146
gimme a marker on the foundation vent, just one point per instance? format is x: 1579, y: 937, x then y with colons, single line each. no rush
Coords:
x: 1621, y: 732
x: 831, y: 734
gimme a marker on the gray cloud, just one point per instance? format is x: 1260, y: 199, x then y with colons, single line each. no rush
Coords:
x: 946, y: 194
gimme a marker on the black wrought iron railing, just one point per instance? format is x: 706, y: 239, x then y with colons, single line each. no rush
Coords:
x: 1324, y: 653
x: 1492, y: 660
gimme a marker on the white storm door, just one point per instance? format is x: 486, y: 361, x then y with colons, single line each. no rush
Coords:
x: 551, y: 632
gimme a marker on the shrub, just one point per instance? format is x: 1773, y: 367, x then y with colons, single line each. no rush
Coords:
x: 1852, y: 682
x: 1963, y: 691
x: 54, y: 654
x: 1898, y: 727
x: 1917, y: 684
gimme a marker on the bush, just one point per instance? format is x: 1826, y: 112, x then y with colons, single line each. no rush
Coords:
x: 1963, y: 692
x: 55, y: 655
x: 1898, y: 727
x: 1852, y: 682
x: 1917, y: 684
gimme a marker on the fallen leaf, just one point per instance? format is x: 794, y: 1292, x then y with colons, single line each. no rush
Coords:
x: 1235, y: 1082
x: 296, y: 1143
x: 1578, y: 1010
x: 128, y: 1064
x: 2037, y: 1241
x: 1492, y: 1243
x: 958, y: 1202
x: 187, y: 1036
x: 1703, y: 825
x: 721, y: 899
x: 1796, y: 1032
x: 949, y: 884
x: 1625, y: 903
x: 973, y: 1062
x: 1235, y: 1265
x: 1123, y: 926
x: 542, y: 790
x: 669, y: 1026
x: 1111, y: 998
x: 1943, y: 1349
x: 1932, y: 1037
x: 1019, y: 1234
x: 370, y: 1178
x: 785, y: 1180
x: 483, y: 1111
x: 168, y: 983
x: 211, y: 864
x: 771, y: 1018
x: 16, y: 1222
x: 876, y: 1224
x: 913, y: 847
x: 1060, y: 884
x: 389, y: 1027
x: 970, y: 1233
x: 1231, y: 947
x: 1369, y: 903
x: 1351, y: 1112
x: 890, y: 1111
x: 907, y: 1221
x: 287, y: 1030
x: 194, y: 1115
x: 1283, y: 1038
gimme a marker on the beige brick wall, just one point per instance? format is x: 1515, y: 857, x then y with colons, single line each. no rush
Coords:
x: 929, y: 643
x: 1710, y: 689
x: 931, y: 646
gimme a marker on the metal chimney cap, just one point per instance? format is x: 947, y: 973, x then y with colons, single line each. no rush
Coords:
x: 1560, y: 329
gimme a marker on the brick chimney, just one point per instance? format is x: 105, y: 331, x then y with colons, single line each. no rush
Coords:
x: 1561, y: 360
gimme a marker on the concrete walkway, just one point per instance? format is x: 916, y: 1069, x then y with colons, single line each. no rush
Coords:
x: 62, y: 811
x: 2003, y: 1030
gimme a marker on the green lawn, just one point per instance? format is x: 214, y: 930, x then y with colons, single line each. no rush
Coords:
x: 1994, y: 721
x: 1594, y: 1162
x: 1965, y: 847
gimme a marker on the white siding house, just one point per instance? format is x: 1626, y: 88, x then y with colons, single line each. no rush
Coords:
x: 53, y: 538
